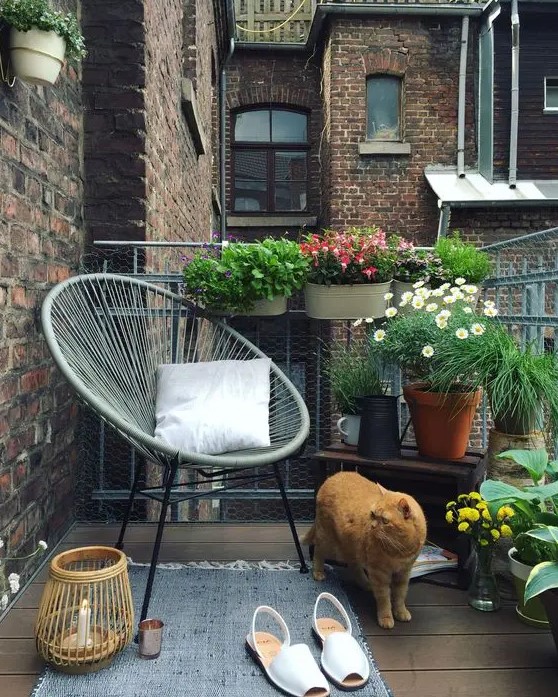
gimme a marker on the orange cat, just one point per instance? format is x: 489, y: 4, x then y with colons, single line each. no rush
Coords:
x: 373, y: 530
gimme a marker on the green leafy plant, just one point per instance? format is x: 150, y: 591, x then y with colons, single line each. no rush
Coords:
x: 24, y: 15
x: 243, y: 273
x: 534, y: 505
x: 544, y: 575
x: 417, y: 265
x: 461, y: 259
x: 353, y: 372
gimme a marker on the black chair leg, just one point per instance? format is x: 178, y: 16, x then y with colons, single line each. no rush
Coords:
x: 303, y: 568
x: 133, y: 491
x: 170, y: 476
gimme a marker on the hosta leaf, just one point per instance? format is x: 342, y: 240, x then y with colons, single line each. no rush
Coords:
x: 542, y: 578
x: 534, y: 461
x: 493, y: 490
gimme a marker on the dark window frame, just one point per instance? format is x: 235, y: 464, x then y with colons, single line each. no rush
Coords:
x: 549, y: 78
x: 401, y: 122
x: 270, y: 148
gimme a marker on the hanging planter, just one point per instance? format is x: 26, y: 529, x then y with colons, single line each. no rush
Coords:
x: 36, y: 56
x: 441, y: 422
x: 346, y: 301
x: 268, y: 308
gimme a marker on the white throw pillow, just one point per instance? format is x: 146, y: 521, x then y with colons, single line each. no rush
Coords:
x: 214, y: 407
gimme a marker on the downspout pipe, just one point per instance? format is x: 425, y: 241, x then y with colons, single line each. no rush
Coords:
x: 461, y: 97
x: 514, y: 125
x: 222, y: 141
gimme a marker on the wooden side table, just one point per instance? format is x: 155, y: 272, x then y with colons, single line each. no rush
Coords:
x: 431, y: 482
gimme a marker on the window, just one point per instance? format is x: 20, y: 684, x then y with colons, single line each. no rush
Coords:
x: 270, y: 160
x: 551, y: 94
x: 383, y: 107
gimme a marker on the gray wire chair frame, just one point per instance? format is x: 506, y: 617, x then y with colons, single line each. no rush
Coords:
x: 109, y: 333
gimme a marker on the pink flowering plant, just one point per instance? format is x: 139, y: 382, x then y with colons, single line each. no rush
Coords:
x: 354, y: 256
x: 9, y: 585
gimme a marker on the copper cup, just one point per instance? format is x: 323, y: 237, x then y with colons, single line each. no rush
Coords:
x: 150, y: 635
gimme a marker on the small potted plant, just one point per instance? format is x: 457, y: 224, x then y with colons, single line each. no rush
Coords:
x: 246, y: 277
x: 40, y: 38
x: 534, y: 505
x: 459, y: 259
x: 350, y: 273
x: 413, y: 265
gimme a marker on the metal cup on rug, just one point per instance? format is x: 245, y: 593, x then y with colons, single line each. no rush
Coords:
x: 207, y: 612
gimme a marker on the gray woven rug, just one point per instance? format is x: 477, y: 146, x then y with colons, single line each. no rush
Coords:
x: 207, y: 614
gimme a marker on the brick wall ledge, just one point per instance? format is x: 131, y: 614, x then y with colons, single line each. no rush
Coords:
x: 272, y: 220
x: 383, y: 148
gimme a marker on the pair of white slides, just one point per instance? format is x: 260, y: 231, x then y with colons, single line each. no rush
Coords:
x: 293, y: 669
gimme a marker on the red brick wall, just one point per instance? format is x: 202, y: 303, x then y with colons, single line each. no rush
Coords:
x: 41, y: 237
x: 390, y: 190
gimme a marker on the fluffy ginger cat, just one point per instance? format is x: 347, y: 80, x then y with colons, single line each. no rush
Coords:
x: 373, y: 530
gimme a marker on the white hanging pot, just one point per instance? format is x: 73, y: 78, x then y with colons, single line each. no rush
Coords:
x: 36, y: 56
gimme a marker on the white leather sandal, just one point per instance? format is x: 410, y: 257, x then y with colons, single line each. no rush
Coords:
x: 343, y: 660
x: 289, y: 667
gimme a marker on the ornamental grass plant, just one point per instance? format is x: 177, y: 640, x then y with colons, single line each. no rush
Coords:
x: 460, y: 259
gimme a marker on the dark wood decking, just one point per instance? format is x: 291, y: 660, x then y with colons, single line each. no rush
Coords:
x: 447, y: 650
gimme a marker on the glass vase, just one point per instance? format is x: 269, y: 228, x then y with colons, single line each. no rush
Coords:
x: 483, y: 591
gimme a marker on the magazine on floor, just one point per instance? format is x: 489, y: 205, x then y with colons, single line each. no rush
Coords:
x: 433, y: 558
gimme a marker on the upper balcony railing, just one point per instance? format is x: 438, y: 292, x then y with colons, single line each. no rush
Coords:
x: 273, y: 21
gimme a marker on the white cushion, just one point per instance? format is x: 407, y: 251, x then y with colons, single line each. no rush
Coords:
x: 215, y: 406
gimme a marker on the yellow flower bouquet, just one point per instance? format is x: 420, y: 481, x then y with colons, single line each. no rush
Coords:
x: 471, y: 515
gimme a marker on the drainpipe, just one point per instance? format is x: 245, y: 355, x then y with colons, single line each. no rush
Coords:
x: 444, y: 220
x: 222, y: 141
x: 514, y: 126
x: 461, y: 97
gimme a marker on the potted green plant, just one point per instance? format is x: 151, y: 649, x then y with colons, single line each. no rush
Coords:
x: 460, y: 259
x: 534, y: 504
x: 350, y: 272
x: 413, y: 265
x: 441, y: 399
x: 543, y: 578
x: 352, y: 374
x: 40, y: 38
x: 246, y: 277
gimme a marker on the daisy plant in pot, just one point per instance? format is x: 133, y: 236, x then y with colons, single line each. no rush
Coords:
x: 350, y: 272
x: 424, y: 342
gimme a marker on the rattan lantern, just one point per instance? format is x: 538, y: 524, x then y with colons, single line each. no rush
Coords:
x: 86, y: 615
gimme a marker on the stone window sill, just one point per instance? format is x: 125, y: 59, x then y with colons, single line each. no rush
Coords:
x: 190, y: 109
x: 272, y: 220
x: 383, y: 147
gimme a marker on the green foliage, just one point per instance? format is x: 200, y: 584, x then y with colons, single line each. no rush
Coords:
x: 544, y: 576
x: 461, y: 259
x: 29, y: 14
x: 353, y: 372
x: 244, y: 273
x: 417, y: 265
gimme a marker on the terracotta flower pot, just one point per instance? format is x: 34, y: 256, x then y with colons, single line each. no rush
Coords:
x: 442, y: 422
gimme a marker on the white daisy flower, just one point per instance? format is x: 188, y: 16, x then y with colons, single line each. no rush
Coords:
x: 379, y: 335
x: 407, y: 296
x: 470, y: 289
x: 418, y: 284
x: 423, y: 292
x: 437, y: 292
x: 468, y: 310
x: 477, y: 329
x: 417, y: 302
x: 461, y: 333
x: 13, y: 580
x: 1, y: 543
x: 388, y: 296
x: 441, y: 322
x: 489, y: 303
x: 471, y: 299
x: 390, y: 312
x: 444, y: 286
x: 369, y: 320
x: 457, y: 294
x: 460, y: 281
x: 443, y: 314
x: 4, y: 600
x: 490, y: 311
x: 449, y: 299
x: 43, y: 545
x: 403, y: 303
x: 357, y: 322
x: 427, y: 351
x: 431, y: 307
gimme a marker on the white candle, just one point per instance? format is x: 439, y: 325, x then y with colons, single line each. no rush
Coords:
x: 84, y: 620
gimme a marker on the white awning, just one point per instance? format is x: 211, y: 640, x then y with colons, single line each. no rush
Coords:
x: 475, y: 191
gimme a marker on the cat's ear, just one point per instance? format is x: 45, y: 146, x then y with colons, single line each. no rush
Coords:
x: 404, y: 508
x: 383, y: 491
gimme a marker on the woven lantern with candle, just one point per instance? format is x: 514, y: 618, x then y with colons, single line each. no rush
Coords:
x: 86, y: 614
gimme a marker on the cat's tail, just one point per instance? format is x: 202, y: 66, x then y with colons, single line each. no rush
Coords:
x: 309, y: 538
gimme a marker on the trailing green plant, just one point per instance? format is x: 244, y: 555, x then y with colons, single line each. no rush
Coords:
x: 234, y: 278
x: 461, y: 259
x: 534, y: 505
x: 353, y: 371
x: 24, y: 15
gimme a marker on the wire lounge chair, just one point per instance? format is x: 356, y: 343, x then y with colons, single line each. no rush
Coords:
x: 108, y: 334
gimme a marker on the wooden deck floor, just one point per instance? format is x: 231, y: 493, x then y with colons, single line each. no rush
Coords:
x: 447, y: 650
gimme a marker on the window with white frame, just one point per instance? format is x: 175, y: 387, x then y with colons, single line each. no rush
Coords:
x: 551, y: 94
x: 383, y: 107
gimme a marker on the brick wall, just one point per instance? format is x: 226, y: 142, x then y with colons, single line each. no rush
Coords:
x: 41, y: 236
x: 390, y: 190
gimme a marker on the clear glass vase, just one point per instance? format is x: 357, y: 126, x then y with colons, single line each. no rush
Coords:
x: 483, y: 590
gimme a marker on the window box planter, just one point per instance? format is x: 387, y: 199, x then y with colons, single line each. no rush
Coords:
x: 346, y: 301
